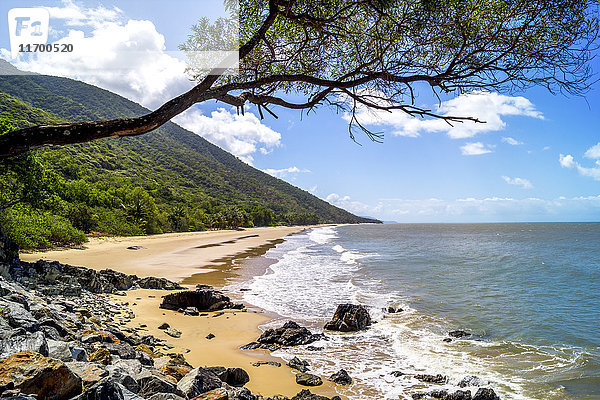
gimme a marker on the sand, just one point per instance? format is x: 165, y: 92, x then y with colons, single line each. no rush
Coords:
x: 191, y: 258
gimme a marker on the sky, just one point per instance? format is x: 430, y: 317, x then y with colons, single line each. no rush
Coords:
x: 536, y: 159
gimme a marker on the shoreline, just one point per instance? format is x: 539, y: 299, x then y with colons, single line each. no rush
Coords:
x: 209, y: 257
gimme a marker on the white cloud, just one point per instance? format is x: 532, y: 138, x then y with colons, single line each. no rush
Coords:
x: 546, y: 148
x: 569, y: 162
x: 511, y: 141
x: 124, y: 56
x: 353, y: 206
x: 486, y: 106
x: 241, y: 135
x: 593, y: 152
x: 524, y: 183
x: 475, y: 149
x: 281, y: 173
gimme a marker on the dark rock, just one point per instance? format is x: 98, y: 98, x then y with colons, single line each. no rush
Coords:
x: 458, y: 334
x: 210, y: 336
x: 272, y: 363
x: 485, y: 394
x: 439, y: 379
x: 290, y: 334
x: 300, y: 365
x: 232, y: 376
x: 439, y: 394
x: 198, y: 381
x: 393, y: 310
x: 153, y: 384
x: 397, y: 374
x: 459, y: 395
x: 164, y: 325
x: 349, y: 318
x: 165, y: 396
x: 306, y: 379
x: 18, y: 316
x: 135, y: 248
x: 101, y: 356
x: 103, y: 390
x: 305, y: 394
x: 203, y: 300
x: 158, y: 283
x: 240, y: 393
x: 204, y: 287
x: 470, y: 380
x: 314, y: 348
x: 447, y: 340
x: 28, y: 341
x: 341, y: 377
x: 123, y: 350
x: 121, y: 375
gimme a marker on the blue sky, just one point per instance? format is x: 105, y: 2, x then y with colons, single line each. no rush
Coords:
x: 535, y: 160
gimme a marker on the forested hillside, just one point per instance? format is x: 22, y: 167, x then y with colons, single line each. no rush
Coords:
x: 168, y: 180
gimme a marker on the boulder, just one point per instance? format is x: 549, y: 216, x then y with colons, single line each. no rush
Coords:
x: 79, y: 353
x: 485, y: 394
x: 341, y: 377
x: 290, y: 334
x: 33, y: 373
x: 18, y: 316
x: 158, y: 283
x: 202, y: 300
x: 90, y: 373
x: 101, y: 356
x: 154, y: 384
x: 349, y: 318
x: 175, y: 371
x: 123, y: 350
x: 459, y: 395
x: 164, y: 325
x: 198, y: 381
x: 298, y: 364
x: 306, y: 379
x: 123, y: 377
x: 35, y: 342
x: 103, y: 390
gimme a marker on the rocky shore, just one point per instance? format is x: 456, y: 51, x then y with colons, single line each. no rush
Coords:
x: 64, y: 335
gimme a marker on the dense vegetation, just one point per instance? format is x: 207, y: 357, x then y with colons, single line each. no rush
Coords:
x: 168, y: 180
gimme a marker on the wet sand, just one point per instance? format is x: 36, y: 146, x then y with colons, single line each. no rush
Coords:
x: 211, y: 258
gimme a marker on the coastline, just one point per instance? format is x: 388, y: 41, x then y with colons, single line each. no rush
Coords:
x: 211, y: 258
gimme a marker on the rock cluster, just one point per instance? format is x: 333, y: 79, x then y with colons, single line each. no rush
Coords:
x: 290, y: 334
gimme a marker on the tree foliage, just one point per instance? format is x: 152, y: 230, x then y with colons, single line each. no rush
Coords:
x: 376, y: 54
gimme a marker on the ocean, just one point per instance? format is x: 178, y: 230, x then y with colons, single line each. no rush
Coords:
x: 528, y: 293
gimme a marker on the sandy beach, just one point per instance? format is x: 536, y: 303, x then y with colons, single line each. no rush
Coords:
x: 190, y: 258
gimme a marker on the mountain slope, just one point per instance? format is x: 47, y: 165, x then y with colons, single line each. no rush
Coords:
x: 175, y: 166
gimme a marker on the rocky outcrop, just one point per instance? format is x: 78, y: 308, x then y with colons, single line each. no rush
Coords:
x: 232, y: 376
x: 470, y: 380
x: 349, y: 318
x: 458, y: 334
x: 341, y: 377
x: 290, y: 334
x: 201, y: 300
x: 54, y: 278
x: 306, y: 379
x: 33, y: 373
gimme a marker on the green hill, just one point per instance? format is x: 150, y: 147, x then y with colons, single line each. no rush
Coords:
x: 168, y: 180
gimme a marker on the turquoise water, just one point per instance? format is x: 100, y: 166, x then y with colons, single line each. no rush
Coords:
x: 530, y: 294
